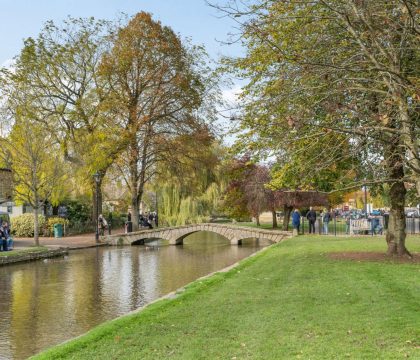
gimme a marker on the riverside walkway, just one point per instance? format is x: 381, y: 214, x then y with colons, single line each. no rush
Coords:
x: 175, y: 235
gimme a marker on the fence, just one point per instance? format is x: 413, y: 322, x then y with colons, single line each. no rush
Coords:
x: 340, y: 226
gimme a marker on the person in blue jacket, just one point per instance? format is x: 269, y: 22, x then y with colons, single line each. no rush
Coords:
x: 296, y: 220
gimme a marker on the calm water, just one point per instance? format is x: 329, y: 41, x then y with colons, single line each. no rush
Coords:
x: 47, y: 302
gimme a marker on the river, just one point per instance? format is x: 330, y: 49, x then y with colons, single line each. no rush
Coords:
x: 44, y: 303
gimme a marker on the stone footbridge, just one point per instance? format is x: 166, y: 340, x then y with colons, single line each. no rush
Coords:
x: 175, y: 235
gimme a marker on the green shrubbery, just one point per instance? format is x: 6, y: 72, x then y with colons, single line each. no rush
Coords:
x: 23, y: 225
x: 78, y: 210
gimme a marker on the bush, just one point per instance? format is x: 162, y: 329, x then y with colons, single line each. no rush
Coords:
x: 55, y: 220
x: 118, y: 219
x: 23, y: 225
x: 78, y: 211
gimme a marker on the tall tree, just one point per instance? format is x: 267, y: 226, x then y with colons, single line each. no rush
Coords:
x: 340, y: 77
x: 33, y: 156
x: 156, y: 92
x: 258, y: 197
x: 235, y: 201
x: 57, y: 73
x: 246, y: 193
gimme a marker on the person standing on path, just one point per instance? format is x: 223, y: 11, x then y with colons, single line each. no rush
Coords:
x: 296, y: 220
x: 311, y: 216
x: 102, y: 224
x: 326, y: 217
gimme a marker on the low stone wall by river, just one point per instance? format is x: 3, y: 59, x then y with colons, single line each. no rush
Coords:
x: 31, y: 256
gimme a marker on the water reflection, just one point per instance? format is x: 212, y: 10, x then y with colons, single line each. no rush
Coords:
x: 44, y: 303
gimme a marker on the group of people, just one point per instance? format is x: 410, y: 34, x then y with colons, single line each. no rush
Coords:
x: 326, y: 217
x: 146, y: 220
x: 6, y: 241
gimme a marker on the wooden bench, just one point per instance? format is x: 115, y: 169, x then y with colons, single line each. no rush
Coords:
x: 360, y: 225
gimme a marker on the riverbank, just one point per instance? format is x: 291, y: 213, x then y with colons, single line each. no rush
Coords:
x: 291, y: 301
x: 30, y: 254
x: 50, y: 247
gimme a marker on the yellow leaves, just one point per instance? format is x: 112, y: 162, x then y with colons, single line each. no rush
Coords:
x: 384, y: 119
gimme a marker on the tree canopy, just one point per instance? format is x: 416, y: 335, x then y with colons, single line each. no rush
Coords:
x: 333, y: 93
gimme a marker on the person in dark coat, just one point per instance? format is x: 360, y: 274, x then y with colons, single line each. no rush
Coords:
x: 9, y: 239
x: 3, y: 238
x: 311, y: 216
x: 296, y: 220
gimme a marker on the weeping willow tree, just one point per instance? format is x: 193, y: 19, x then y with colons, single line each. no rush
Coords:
x: 190, y: 193
x: 177, y: 206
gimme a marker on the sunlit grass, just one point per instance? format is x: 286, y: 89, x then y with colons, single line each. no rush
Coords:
x: 17, y: 252
x: 290, y: 301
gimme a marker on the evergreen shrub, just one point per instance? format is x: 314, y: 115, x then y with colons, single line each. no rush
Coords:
x: 23, y: 225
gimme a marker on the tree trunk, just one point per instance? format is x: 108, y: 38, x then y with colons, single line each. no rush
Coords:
x: 97, y: 199
x: 257, y: 217
x: 286, y: 217
x: 273, y: 212
x: 36, y: 226
x: 135, y: 211
x: 395, y: 236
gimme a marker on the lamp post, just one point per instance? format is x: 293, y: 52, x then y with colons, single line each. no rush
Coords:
x: 157, y: 211
x: 365, y: 190
x: 97, y: 178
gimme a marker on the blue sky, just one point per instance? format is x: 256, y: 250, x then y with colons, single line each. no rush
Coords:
x: 20, y: 19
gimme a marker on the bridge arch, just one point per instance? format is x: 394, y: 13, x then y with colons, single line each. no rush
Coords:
x: 144, y: 240
x: 178, y: 238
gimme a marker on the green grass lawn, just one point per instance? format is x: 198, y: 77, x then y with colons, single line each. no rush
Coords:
x: 17, y: 252
x: 290, y: 301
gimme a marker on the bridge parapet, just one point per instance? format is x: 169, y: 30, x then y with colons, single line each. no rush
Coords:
x: 175, y: 235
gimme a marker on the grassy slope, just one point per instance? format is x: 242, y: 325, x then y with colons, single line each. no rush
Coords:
x: 290, y: 301
x: 16, y: 252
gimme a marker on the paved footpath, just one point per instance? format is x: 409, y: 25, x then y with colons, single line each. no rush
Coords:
x: 72, y: 242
